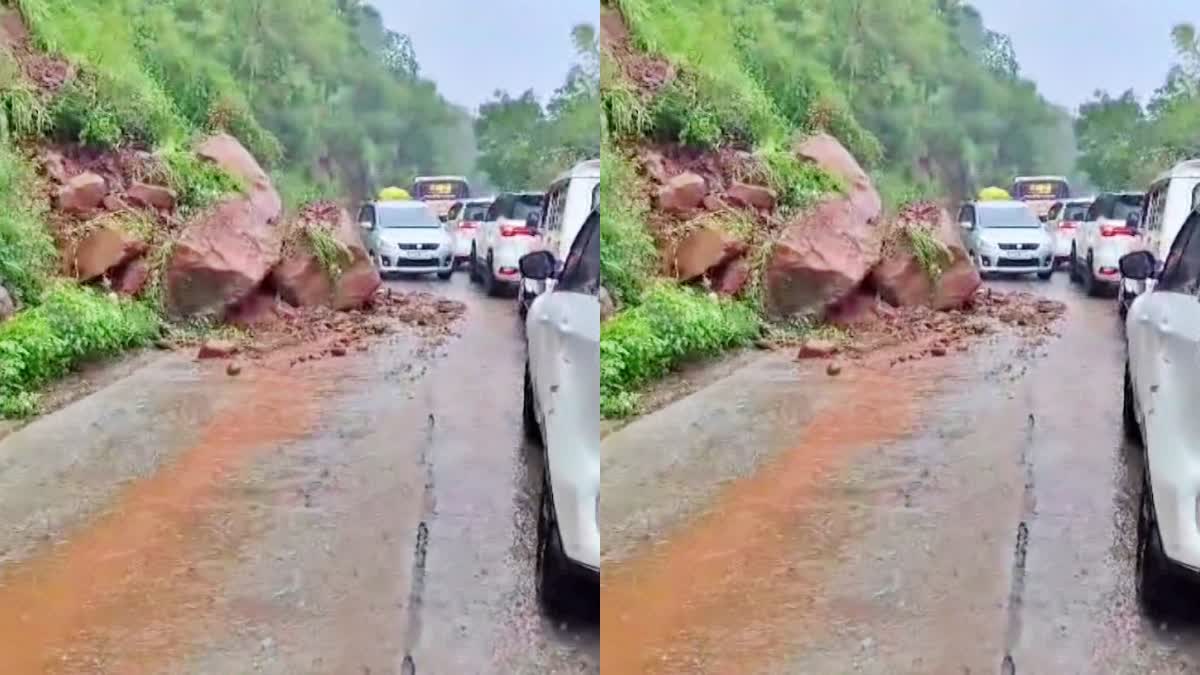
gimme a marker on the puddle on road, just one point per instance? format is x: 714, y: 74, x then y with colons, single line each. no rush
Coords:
x: 741, y: 585
x: 123, y: 593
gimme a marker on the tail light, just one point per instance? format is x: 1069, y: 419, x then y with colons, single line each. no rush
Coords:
x: 467, y: 225
x: 515, y: 230
x: 1114, y: 231
x: 1066, y: 225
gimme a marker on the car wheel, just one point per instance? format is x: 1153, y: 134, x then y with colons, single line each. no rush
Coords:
x: 1045, y: 276
x: 473, y: 266
x: 490, y: 285
x: 552, y: 579
x: 529, y: 421
x: 445, y: 276
x: 1073, y: 266
x: 1153, y: 569
x: 1129, y: 420
x: 1089, y: 278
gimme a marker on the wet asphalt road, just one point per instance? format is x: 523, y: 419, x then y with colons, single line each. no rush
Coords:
x: 969, y: 514
x: 372, y: 514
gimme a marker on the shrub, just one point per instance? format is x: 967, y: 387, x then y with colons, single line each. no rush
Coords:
x: 673, y: 324
x: 27, y: 252
x: 627, y: 253
x: 198, y: 183
x: 71, y: 326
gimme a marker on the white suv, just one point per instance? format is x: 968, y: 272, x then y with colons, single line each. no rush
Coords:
x: 1162, y: 385
x: 562, y: 413
x: 1108, y: 232
x: 569, y: 200
x: 509, y: 231
x: 1169, y: 200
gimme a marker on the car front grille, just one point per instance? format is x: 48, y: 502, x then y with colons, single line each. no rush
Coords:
x: 1005, y: 262
x: 428, y: 262
x: 1018, y: 247
x: 417, y: 247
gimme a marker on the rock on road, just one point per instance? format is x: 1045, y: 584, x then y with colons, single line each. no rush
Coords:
x: 368, y: 514
x: 968, y: 514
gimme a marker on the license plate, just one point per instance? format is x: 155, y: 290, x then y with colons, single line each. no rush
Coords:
x: 1021, y: 255
x: 417, y: 255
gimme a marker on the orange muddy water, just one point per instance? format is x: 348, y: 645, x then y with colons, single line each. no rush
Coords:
x: 720, y: 593
x: 135, y: 566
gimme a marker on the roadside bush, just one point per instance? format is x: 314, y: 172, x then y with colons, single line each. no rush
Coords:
x: 71, y: 326
x: 798, y: 183
x: 627, y: 253
x: 27, y: 251
x: 672, y: 325
x: 198, y: 183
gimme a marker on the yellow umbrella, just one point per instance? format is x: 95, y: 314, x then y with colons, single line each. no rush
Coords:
x: 394, y: 194
x: 993, y: 194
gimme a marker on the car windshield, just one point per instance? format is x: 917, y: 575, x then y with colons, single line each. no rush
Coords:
x: 1007, y: 217
x: 394, y: 219
x: 1075, y: 211
x: 475, y: 211
x: 1122, y: 206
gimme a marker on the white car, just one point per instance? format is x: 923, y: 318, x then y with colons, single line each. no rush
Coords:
x: 1162, y: 385
x: 1108, y: 232
x: 1062, y: 220
x: 569, y: 200
x: 1169, y: 200
x: 1006, y: 237
x: 509, y: 232
x: 562, y: 412
x: 464, y: 218
x: 407, y: 238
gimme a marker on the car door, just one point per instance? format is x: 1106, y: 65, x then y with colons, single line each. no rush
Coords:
x: 366, y: 216
x: 1164, y: 341
x: 970, y: 233
x: 563, y: 328
x: 485, y: 234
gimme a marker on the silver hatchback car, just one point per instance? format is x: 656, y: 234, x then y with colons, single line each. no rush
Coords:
x: 407, y: 238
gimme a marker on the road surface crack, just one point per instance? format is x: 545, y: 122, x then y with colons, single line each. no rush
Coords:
x: 1016, y: 593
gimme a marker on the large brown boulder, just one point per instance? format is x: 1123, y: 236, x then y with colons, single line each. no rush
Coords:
x: 226, y: 152
x: 82, y: 194
x: 751, y: 196
x: 302, y: 281
x: 903, y: 282
x: 131, y: 279
x: 104, y: 249
x: 151, y: 196
x: 731, y: 279
x: 827, y: 153
x: 819, y: 259
x: 705, y: 248
x: 221, y: 257
x: 682, y: 193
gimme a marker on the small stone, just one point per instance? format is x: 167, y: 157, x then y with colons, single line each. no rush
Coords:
x: 817, y: 349
x: 217, y: 349
x: 938, y: 351
x: 338, y: 351
x: 233, y: 369
x: 833, y: 369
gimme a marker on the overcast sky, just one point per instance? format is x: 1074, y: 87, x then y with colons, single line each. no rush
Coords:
x: 1073, y: 47
x: 470, y: 48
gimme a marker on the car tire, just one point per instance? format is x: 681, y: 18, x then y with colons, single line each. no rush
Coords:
x: 1090, y: 287
x: 473, y: 266
x: 1129, y: 420
x: 445, y: 276
x: 1154, y: 570
x: 1073, y: 266
x: 1045, y: 276
x: 529, y: 421
x: 490, y: 285
x: 552, y: 578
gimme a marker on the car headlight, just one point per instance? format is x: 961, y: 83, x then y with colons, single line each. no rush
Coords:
x: 988, y: 245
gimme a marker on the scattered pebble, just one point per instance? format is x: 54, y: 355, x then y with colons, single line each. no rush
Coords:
x: 833, y: 369
x: 233, y: 369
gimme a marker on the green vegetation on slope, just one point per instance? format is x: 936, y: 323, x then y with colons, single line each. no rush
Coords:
x: 920, y: 91
x: 1123, y: 145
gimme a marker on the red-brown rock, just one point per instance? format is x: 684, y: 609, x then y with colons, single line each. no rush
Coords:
x: 82, y: 194
x: 220, y: 258
x: 217, y: 349
x: 114, y: 203
x: 104, y: 249
x: 713, y: 203
x: 303, y: 282
x: 826, y: 152
x: 859, y: 308
x: 751, y: 196
x: 817, y: 349
x: 903, y: 282
x: 819, y: 259
x: 131, y: 278
x: 702, y: 250
x: 682, y: 193
x: 357, y: 284
x: 226, y: 152
x: 731, y: 280
x: 258, y: 308
x: 151, y: 196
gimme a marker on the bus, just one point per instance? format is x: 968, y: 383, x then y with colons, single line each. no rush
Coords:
x: 1040, y: 192
x: 440, y: 192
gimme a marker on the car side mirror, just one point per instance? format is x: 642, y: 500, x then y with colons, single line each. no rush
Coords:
x: 366, y: 225
x: 538, y: 265
x: 1138, y: 265
x: 966, y: 225
x: 533, y: 221
x: 1133, y: 221
x: 1045, y: 217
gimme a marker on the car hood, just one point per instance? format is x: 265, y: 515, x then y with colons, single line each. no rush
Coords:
x: 1014, y: 235
x: 414, y: 235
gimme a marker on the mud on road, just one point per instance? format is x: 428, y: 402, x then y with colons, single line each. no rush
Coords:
x: 369, y: 513
x: 973, y: 512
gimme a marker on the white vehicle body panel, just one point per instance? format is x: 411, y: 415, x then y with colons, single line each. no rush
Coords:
x: 569, y: 201
x: 505, y: 252
x: 1063, y: 229
x: 563, y: 331
x: 1106, y: 251
x: 1169, y: 200
x: 1163, y: 330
